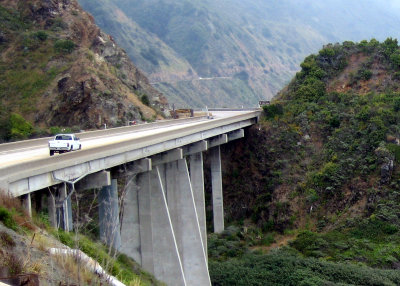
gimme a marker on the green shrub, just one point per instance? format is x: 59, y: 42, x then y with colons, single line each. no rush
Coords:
x: 19, y: 127
x: 285, y: 268
x: 374, y: 229
x: 395, y: 149
x: 145, y: 99
x: 272, y: 110
x: 7, y: 218
x: 366, y: 74
x: 41, y: 35
x: 64, y: 46
x: 327, y: 52
x: 221, y: 249
x: 57, y: 24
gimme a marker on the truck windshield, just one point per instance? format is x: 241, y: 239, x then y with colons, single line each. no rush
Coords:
x: 63, y: 137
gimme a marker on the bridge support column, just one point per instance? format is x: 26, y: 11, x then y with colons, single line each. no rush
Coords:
x: 131, y: 219
x: 217, y: 195
x: 130, y: 224
x: 109, y: 215
x: 185, y: 221
x: 197, y: 180
x: 145, y: 219
x: 51, y: 205
x: 166, y: 259
x: 60, y: 209
x: 27, y: 203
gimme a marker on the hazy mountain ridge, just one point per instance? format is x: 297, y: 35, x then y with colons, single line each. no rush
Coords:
x: 262, y: 41
x: 154, y: 57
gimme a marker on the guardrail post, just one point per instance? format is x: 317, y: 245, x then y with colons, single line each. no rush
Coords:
x: 109, y: 215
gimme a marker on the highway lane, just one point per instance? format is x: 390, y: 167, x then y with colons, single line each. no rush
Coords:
x: 38, y: 149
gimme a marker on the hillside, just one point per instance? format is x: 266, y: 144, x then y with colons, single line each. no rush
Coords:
x: 322, y: 179
x: 29, y: 246
x: 235, y: 52
x: 58, y: 69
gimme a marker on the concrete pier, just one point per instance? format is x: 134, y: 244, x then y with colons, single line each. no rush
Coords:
x: 130, y: 224
x: 186, y: 226
x: 51, y: 205
x: 109, y: 215
x: 217, y: 195
x: 60, y: 208
x: 145, y: 219
x: 167, y: 261
x: 197, y: 181
x: 27, y: 204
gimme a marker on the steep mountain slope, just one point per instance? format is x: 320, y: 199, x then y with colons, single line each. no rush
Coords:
x: 240, y: 51
x: 146, y: 50
x: 59, y: 69
x: 322, y: 165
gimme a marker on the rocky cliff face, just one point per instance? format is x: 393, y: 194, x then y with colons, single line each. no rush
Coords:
x: 69, y: 72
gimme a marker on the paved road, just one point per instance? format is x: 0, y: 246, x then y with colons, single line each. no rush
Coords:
x: 17, y: 153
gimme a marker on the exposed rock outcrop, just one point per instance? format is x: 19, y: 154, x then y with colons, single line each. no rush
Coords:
x: 93, y: 82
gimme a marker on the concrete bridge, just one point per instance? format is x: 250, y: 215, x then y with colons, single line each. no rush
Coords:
x: 151, y: 187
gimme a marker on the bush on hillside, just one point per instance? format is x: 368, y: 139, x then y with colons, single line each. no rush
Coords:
x: 273, y: 110
x: 285, y: 268
x: 145, y: 99
x: 64, y: 46
x: 19, y: 127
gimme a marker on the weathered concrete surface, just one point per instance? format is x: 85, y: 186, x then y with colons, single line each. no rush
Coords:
x: 217, y: 196
x: 197, y: 181
x: 167, y: 261
x: 185, y: 222
x: 109, y: 215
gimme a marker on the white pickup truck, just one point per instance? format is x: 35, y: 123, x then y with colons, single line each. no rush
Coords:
x: 64, y: 143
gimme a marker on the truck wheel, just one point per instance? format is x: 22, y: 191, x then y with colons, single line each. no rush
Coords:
x: 80, y: 147
x: 51, y: 152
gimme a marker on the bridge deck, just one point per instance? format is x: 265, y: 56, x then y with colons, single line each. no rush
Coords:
x: 27, y: 163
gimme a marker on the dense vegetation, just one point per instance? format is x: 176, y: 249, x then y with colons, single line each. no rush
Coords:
x: 324, y: 173
x: 286, y: 268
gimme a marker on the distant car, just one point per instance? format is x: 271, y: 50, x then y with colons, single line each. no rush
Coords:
x: 64, y: 143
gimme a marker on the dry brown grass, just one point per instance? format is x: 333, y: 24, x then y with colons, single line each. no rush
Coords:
x: 9, y: 202
x: 6, y: 240
x: 135, y: 282
x: 42, y: 242
x: 14, y: 263
x: 76, y: 270
x: 24, y: 221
